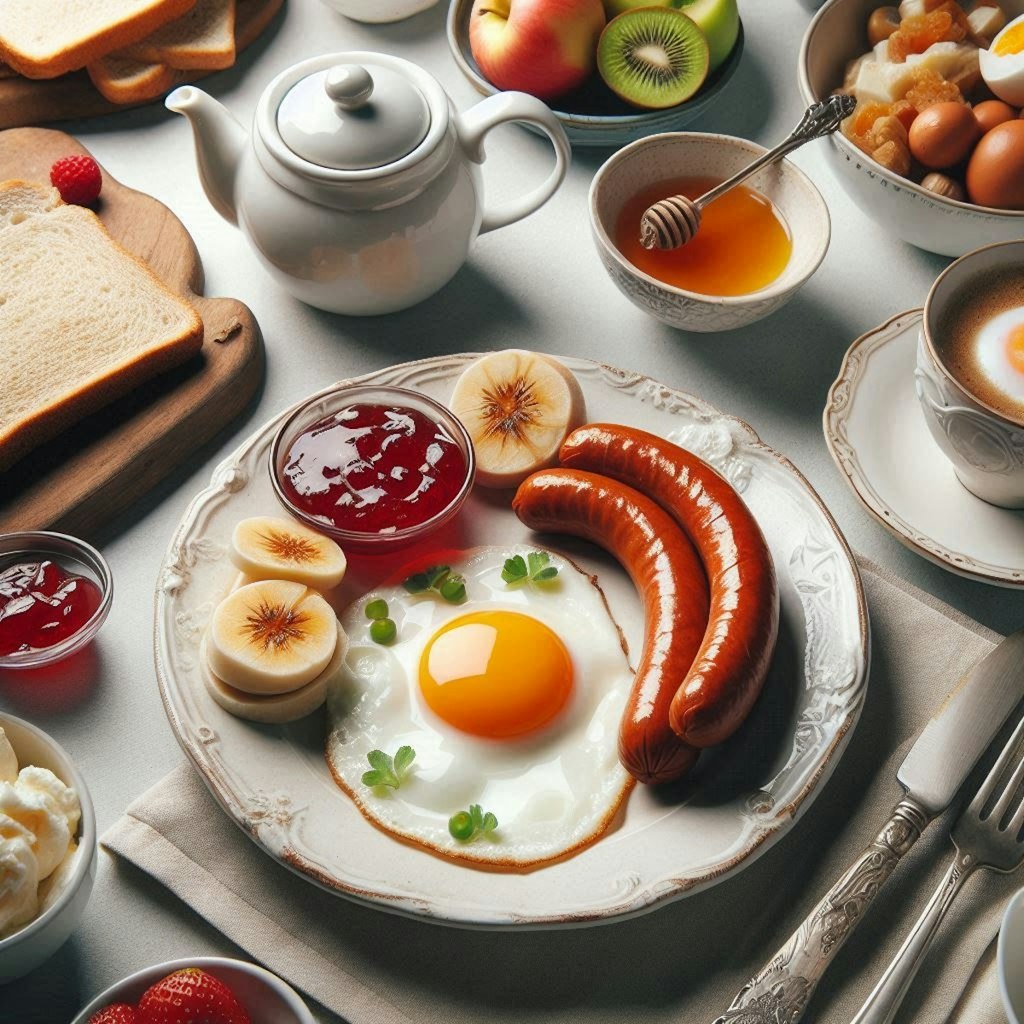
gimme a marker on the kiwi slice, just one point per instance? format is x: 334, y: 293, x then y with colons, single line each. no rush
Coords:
x: 653, y: 57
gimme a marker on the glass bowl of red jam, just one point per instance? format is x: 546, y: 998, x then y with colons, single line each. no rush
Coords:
x: 55, y: 593
x: 375, y: 468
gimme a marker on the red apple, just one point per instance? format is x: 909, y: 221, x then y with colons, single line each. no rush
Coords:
x: 543, y: 47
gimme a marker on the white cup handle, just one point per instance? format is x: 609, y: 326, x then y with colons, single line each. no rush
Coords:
x: 476, y: 122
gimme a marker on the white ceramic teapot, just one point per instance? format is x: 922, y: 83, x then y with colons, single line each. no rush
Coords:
x: 360, y: 187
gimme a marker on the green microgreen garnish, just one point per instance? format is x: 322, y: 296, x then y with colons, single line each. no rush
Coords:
x: 388, y: 771
x: 377, y: 609
x: 383, y: 631
x: 467, y: 825
x: 532, y: 569
x: 440, y: 580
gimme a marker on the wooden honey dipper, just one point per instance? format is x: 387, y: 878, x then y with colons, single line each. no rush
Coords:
x: 673, y: 222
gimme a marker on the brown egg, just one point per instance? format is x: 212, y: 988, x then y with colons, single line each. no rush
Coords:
x: 993, y: 112
x: 943, y: 134
x: 995, y: 175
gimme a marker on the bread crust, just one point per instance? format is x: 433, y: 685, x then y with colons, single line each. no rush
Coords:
x: 163, y: 48
x: 19, y: 437
x: 151, y: 15
x: 122, y: 79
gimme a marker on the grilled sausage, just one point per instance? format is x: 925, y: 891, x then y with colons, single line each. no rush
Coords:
x: 668, y: 575
x: 715, y: 694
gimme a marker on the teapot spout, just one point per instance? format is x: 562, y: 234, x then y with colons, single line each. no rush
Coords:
x: 220, y: 143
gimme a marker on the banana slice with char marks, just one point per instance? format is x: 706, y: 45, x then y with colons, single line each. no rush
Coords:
x: 271, y: 637
x: 274, y: 708
x: 518, y: 407
x: 271, y: 548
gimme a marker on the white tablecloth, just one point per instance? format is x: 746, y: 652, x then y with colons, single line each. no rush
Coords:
x: 537, y: 284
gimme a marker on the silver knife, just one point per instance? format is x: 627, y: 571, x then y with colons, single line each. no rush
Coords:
x: 938, y: 763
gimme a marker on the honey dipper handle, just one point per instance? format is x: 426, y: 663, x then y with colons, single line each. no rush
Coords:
x: 819, y: 120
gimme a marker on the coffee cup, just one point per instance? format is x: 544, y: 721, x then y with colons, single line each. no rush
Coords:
x: 966, y: 392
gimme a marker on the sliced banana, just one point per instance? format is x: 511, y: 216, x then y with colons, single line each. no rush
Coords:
x: 275, y: 709
x: 268, y: 548
x: 518, y: 408
x: 272, y: 636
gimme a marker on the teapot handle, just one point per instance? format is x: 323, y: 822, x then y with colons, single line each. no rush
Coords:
x: 476, y: 122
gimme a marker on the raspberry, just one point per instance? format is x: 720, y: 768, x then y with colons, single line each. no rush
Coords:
x: 77, y: 179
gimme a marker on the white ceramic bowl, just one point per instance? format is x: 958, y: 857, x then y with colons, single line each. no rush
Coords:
x: 679, y: 154
x: 36, y: 942
x: 1010, y: 958
x: 379, y: 11
x: 836, y: 36
x: 264, y: 995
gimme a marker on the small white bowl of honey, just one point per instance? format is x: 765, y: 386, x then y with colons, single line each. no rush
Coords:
x: 756, y: 246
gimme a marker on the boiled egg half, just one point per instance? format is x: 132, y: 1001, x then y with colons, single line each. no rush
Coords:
x: 1002, y: 64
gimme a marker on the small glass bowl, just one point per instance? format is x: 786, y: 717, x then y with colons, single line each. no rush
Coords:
x: 75, y: 557
x: 334, y: 401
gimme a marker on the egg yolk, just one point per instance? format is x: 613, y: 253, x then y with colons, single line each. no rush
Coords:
x: 496, y: 674
x: 1011, y: 41
x: 1015, y: 348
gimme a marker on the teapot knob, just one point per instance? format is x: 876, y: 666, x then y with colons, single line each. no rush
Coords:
x: 349, y: 86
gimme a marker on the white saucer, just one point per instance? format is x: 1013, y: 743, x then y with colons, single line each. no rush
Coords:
x: 877, y: 435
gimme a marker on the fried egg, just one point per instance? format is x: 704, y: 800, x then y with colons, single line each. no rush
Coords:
x: 999, y: 351
x: 511, y: 701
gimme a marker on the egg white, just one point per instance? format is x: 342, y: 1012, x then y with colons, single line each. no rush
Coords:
x: 990, y: 353
x: 1004, y: 73
x: 553, y: 791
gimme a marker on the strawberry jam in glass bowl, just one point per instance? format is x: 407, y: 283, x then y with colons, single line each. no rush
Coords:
x: 375, y: 468
x: 55, y: 593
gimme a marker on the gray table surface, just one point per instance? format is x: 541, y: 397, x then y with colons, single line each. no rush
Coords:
x: 536, y: 284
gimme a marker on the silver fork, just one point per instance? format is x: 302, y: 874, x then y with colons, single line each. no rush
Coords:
x: 986, y: 835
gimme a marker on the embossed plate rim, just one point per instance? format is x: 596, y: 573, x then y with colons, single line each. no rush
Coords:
x: 269, y: 820
x: 835, y: 417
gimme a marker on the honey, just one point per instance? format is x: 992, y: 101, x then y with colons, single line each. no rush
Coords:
x: 743, y: 243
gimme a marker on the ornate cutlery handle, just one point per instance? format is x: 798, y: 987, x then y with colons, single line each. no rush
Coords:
x: 780, y: 991
x: 880, y: 1007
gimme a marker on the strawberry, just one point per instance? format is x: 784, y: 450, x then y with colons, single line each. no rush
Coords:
x: 118, y: 1013
x: 77, y: 179
x: 190, y: 996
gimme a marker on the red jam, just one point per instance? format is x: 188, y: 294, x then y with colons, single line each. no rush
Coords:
x: 41, y: 605
x: 374, y: 469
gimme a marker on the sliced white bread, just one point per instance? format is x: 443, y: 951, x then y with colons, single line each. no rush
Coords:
x: 122, y: 79
x: 204, y: 39
x: 46, y: 38
x: 21, y: 199
x: 82, y: 321
x: 6, y: 71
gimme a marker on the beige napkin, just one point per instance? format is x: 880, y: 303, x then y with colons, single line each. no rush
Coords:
x: 681, y: 963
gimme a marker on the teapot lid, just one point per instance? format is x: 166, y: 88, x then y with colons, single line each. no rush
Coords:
x: 353, y: 117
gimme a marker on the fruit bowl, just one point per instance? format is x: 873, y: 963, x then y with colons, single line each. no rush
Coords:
x: 836, y: 36
x: 264, y: 995
x: 593, y: 115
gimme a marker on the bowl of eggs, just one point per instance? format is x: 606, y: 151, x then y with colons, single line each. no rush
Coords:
x: 757, y: 245
x: 935, y: 148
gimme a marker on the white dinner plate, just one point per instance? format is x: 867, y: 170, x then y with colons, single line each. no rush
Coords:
x: 876, y: 432
x: 743, y: 796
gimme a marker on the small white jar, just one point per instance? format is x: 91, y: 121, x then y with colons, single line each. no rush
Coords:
x: 379, y: 11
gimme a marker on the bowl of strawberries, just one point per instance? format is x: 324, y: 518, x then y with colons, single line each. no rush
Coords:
x: 216, y: 990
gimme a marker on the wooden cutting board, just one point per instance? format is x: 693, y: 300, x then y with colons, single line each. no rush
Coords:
x: 25, y: 101
x: 95, y: 470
